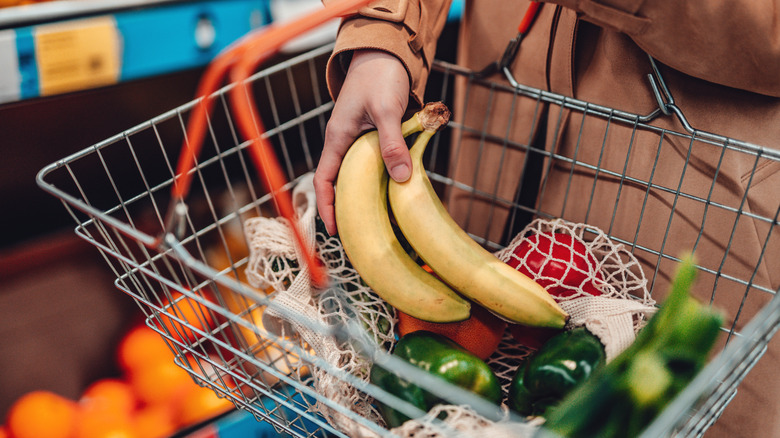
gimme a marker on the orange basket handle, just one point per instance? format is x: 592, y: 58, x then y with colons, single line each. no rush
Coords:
x: 528, y: 17
x: 241, y: 59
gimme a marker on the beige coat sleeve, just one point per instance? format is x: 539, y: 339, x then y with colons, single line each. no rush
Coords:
x: 408, y: 29
x: 736, y: 44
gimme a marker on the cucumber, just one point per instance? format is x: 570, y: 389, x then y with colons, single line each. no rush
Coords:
x: 622, y: 398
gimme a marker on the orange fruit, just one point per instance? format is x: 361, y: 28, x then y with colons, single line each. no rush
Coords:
x: 200, y: 404
x: 480, y: 334
x: 110, y: 396
x: 140, y: 347
x: 95, y: 423
x: 226, y: 381
x: 42, y: 414
x: 154, y: 421
x: 206, y: 370
x: 160, y: 382
x: 4, y: 433
x: 192, y: 312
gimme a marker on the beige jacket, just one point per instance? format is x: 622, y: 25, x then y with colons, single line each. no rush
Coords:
x: 721, y: 63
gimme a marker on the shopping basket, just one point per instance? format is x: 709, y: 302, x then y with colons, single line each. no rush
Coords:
x: 118, y: 191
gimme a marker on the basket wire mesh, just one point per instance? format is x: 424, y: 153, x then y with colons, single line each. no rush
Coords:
x: 118, y: 190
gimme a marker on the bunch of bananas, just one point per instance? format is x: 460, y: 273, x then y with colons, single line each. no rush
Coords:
x: 465, y: 271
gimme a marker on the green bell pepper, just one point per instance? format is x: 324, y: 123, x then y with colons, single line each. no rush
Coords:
x: 441, y: 357
x: 562, y: 363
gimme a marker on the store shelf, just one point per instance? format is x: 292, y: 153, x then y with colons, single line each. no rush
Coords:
x: 37, y: 13
x: 68, y: 46
x: 62, y: 46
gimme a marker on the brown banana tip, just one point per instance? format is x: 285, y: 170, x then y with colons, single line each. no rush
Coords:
x: 434, y: 116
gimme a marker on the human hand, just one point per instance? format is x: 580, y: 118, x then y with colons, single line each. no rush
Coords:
x: 375, y: 95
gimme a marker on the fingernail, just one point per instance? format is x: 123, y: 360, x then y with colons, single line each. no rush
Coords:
x: 400, y: 172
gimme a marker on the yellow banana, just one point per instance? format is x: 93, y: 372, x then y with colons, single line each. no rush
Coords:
x: 457, y: 258
x: 364, y: 227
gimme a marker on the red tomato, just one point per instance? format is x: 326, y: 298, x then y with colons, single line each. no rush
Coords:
x: 480, y: 334
x: 559, y: 263
x: 556, y: 260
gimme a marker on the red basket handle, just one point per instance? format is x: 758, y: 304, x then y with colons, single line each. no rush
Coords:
x: 528, y: 17
x: 240, y: 60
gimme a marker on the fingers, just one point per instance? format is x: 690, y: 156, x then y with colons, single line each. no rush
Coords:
x: 395, y: 152
x: 326, y: 196
x: 338, y: 139
x: 335, y: 147
x: 362, y: 105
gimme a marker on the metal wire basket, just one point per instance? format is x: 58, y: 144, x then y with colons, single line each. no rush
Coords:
x: 119, y: 191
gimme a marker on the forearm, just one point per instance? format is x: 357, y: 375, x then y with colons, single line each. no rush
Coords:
x: 736, y: 44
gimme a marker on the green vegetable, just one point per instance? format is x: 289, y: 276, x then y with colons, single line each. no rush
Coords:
x: 623, y: 397
x: 560, y: 365
x: 441, y: 357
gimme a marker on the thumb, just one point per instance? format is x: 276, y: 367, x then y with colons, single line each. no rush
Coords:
x: 395, y: 152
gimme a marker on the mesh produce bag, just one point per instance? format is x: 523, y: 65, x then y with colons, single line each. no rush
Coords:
x: 623, y: 304
x: 614, y: 315
x: 273, y: 263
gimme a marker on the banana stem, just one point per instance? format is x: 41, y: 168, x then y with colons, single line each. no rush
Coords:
x: 411, y: 126
x: 432, y: 117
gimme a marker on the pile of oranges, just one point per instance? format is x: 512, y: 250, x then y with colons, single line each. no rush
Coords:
x: 152, y: 398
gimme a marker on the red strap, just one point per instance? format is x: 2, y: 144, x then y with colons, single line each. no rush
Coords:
x: 239, y: 61
x: 528, y: 18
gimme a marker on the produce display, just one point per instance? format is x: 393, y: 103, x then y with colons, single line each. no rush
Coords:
x: 186, y: 309
x: 152, y: 398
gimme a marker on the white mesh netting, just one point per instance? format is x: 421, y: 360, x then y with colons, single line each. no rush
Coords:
x: 273, y: 263
x: 609, y: 297
x: 599, y: 283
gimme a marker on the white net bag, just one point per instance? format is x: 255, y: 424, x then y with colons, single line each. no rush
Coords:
x: 465, y: 423
x: 273, y: 263
x: 599, y: 283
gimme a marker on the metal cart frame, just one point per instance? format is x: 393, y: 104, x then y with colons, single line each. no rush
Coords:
x: 118, y: 191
